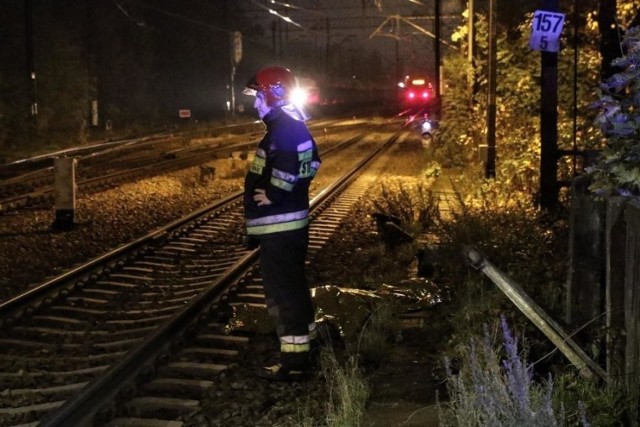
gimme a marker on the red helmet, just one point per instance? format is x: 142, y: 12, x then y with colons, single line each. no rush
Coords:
x: 275, y: 82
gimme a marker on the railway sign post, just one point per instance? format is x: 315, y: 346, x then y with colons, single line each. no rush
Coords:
x: 545, y: 37
x: 237, y: 47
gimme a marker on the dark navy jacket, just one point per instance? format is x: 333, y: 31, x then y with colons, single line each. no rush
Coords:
x: 284, y: 164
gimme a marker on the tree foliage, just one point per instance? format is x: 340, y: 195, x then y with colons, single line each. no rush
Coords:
x: 518, y: 104
x: 141, y: 61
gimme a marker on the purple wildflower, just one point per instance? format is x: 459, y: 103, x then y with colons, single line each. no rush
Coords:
x: 518, y: 376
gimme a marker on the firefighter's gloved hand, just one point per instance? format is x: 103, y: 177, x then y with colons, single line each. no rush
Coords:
x: 250, y: 242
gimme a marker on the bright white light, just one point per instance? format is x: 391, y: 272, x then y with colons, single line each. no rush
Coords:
x: 298, y: 97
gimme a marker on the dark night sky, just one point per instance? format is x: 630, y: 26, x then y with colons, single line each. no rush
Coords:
x: 143, y: 59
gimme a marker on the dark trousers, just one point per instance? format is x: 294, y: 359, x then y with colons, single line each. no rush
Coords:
x: 282, y: 262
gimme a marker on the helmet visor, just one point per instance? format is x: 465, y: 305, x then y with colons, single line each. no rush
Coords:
x: 252, y: 86
x: 249, y: 91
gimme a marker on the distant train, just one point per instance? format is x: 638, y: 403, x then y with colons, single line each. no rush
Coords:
x: 416, y: 92
x: 341, y: 93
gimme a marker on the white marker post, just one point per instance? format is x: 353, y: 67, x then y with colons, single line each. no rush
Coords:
x: 64, y: 170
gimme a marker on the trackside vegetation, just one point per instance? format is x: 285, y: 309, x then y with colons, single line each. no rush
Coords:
x: 499, y: 369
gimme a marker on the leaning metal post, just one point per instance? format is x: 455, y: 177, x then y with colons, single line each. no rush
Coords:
x: 537, y: 315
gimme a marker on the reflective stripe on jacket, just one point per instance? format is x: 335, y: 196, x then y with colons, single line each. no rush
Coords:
x: 276, y: 223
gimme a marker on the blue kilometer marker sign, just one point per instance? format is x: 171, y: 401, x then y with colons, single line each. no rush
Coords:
x: 545, y: 31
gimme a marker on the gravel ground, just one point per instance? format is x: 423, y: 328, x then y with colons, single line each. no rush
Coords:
x: 30, y: 252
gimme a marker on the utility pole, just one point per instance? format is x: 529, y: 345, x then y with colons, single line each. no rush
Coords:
x: 326, y: 50
x: 575, y: 84
x: 397, y: 61
x: 31, y: 68
x: 490, y: 165
x: 236, y: 56
x: 471, y: 41
x: 549, y: 123
x: 436, y: 50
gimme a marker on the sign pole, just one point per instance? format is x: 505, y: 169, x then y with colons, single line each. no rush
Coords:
x: 437, y: 59
x: 549, y: 123
x: 546, y: 29
x: 490, y: 165
x: 471, y: 53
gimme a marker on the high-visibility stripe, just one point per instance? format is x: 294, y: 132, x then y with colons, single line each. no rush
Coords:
x: 258, y: 164
x: 278, y: 218
x: 305, y: 146
x: 294, y: 348
x: 305, y: 155
x: 294, y: 339
x: 283, y: 185
x: 277, y: 228
x: 283, y: 180
x: 283, y: 175
x: 294, y: 343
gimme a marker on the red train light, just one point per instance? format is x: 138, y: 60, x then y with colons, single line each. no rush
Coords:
x: 417, y: 92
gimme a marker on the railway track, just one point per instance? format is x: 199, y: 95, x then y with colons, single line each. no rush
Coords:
x: 91, y: 334
x: 31, y: 183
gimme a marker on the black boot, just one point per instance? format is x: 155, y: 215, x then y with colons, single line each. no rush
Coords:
x: 291, y: 367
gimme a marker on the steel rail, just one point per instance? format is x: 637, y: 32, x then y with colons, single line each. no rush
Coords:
x: 67, y: 281
x: 81, y: 409
x: 183, y: 157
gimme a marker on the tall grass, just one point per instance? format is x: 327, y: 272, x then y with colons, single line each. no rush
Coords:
x: 411, y: 202
x: 348, y: 391
x: 377, y: 335
x: 344, y: 377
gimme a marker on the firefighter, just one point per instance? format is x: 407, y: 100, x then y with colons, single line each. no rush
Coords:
x: 276, y: 203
